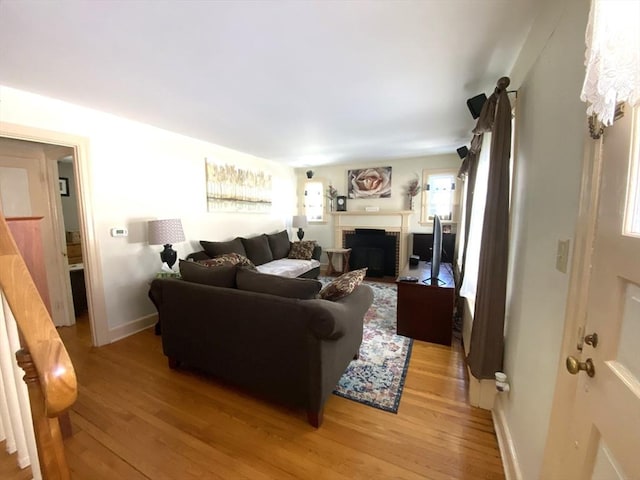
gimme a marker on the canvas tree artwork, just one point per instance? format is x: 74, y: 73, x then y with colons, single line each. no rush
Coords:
x: 369, y: 182
x: 233, y: 189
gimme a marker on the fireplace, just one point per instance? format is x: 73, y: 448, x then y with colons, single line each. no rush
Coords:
x: 393, y: 222
x: 376, y: 249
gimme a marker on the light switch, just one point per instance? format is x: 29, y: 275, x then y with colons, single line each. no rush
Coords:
x: 562, y: 255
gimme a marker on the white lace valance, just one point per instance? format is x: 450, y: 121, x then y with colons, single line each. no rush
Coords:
x: 612, y: 57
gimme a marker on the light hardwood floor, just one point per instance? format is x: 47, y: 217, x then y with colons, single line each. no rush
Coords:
x: 137, y: 419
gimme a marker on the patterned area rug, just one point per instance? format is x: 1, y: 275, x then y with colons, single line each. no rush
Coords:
x: 377, y: 377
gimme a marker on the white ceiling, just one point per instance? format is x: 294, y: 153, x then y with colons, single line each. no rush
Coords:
x: 300, y: 82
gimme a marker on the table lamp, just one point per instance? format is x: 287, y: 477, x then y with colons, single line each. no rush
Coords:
x: 299, y: 221
x: 166, y: 232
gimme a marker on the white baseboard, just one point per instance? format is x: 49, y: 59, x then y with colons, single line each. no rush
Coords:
x: 134, y: 326
x: 505, y: 442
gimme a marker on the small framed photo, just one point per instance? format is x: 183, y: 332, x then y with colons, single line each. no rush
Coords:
x: 64, y: 186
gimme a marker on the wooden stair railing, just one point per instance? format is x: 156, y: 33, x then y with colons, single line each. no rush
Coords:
x: 49, y: 373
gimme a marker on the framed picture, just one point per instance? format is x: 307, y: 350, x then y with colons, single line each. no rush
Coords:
x: 64, y: 186
x: 232, y: 189
x: 369, y: 182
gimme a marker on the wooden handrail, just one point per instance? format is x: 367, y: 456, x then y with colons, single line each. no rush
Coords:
x: 39, y: 335
x: 49, y: 373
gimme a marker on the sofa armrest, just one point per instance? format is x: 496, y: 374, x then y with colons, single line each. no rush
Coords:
x: 338, y: 317
x: 317, y: 251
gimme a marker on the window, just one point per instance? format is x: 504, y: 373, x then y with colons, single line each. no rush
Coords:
x: 632, y: 214
x: 440, y: 195
x: 314, y: 201
x: 470, y: 281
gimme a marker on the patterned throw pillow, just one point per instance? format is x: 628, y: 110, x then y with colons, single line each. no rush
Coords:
x: 343, y: 285
x: 228, y: 259
x: 302, y: 250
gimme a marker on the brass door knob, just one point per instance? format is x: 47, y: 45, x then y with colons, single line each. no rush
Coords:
x: 574, y: 366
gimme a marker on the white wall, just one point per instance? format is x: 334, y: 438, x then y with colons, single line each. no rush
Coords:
x: 402, y: 171
x: 139, y: 173
x: 551, y: 130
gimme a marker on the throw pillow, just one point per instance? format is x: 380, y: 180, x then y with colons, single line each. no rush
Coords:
x: 257, y: 248
x: 302, y: 250
x: 214, y: 249
x: 221, y: 276
x: 279, y: 243
x: 228, y: 259
x: 343, y: 285
x: 301, y: 288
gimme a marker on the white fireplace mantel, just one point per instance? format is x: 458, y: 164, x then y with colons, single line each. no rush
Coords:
x: 389, y: 220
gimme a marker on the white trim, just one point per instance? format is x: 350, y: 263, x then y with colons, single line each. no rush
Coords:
x: 507, y: 448
x: 132, y: 327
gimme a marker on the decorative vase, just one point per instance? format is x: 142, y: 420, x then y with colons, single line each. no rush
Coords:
x: 410, y: 202
x: 331, y: 204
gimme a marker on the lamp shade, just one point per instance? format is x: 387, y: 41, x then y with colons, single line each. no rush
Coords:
x: 299, y: 221
x: 167, y: 231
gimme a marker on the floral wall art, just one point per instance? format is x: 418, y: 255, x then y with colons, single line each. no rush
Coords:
x: 369, y: 182
x: 233, y: 189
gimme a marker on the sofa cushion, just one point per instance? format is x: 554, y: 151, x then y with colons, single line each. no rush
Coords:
x: 302, y: 250
x: 301, y: 288
x: 228, y: 259
x: 219, y: 276
x: 343, y: 285
x: 214, y: 249
x: 258, y: 250
x: 289, y: 267
x: 197, y: 256
x: 279, y: 244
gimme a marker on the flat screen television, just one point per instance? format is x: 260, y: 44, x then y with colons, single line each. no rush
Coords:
x: 436, y: 256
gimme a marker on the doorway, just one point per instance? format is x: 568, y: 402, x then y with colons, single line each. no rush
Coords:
x: 72, y: 234
x: 57, y: 262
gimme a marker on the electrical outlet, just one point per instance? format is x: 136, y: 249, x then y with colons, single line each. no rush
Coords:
x: 562, y: 255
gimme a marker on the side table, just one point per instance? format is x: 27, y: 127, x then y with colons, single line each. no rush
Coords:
x: 164, y: 274
x: 345, y: 253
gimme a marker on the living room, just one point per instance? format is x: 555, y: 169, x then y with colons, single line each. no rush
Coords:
x: 130, y: 172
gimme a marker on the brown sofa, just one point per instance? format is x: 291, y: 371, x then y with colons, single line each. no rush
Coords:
x: 267, y: 252
x: 267, y: 334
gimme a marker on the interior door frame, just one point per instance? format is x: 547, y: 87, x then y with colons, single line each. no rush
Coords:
x: 560, y: 454
x: 91, y: 256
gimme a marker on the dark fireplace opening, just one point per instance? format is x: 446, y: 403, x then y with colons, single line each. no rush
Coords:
x: 374, y: 249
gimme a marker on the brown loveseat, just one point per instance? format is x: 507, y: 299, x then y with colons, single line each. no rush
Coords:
x: 264, y: 333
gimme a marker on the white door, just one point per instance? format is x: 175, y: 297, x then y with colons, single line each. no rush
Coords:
x: 607, y: 424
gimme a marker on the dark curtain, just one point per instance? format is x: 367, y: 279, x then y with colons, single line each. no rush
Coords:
x: 487, y: 334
